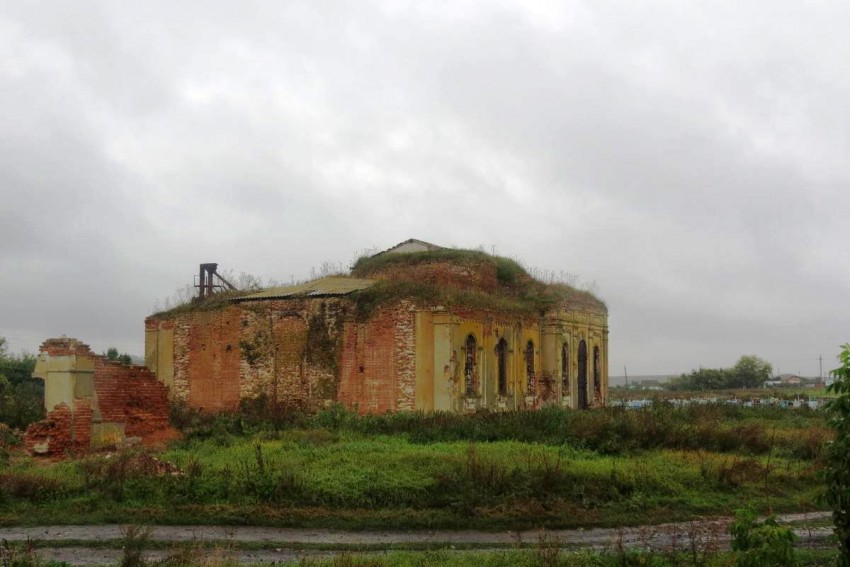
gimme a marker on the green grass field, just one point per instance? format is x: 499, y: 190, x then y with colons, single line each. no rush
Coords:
x: 552, y: 469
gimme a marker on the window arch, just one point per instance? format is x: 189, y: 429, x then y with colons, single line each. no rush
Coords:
x: 502, y: 366
x: 565, y: 369
x: 469, y: 374
x: 529, y: 365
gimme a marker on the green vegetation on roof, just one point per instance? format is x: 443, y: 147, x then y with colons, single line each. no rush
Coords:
x: 518, y: 293
x: 216, y: 301
x: 535, y: 298
x: 508, y: 271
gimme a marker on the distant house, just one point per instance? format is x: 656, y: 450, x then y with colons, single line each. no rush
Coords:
x: 789, y: 380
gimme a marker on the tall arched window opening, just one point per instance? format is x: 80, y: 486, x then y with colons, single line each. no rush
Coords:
x: 597, y: 382
x: 565, y: 369
x: 582, y: 375
x: 469, y: 374
x: 502, y: 366
x: 529, y: 366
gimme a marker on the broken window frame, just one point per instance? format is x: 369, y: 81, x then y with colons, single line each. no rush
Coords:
x: 565, y: 369
x: 502, y: 366
x: 470, y: 362
x: 529, y: 366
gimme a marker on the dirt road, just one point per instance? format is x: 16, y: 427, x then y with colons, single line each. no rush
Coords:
x: 91, y: 545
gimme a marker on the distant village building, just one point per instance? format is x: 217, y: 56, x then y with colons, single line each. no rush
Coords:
x: 416, y: 327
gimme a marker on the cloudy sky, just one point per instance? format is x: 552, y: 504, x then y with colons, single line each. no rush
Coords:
x: 688, y: 159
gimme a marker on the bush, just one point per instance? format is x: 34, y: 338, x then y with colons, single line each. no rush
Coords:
x: 837, y: 474
x: 764, y: 544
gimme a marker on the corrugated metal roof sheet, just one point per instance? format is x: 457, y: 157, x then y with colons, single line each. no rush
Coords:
x: 333, y: 285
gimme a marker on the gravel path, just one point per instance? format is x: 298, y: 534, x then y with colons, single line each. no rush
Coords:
x: 708, y: 534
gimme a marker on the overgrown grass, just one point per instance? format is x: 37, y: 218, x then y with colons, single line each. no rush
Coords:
x: 508, y: 271
x: 214, y: 302
x: 710, y: 427
x: 551, y: 468
x: 517, y: 293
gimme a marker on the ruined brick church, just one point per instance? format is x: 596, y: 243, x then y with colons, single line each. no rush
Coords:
x: 416, y: 327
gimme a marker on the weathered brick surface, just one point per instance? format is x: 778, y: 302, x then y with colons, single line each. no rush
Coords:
x: 123, y: 395
x: 283, y: 350
x: 378, y: 371
x: 211, y: 357
x: 52, y: 436
x: 130, y: 395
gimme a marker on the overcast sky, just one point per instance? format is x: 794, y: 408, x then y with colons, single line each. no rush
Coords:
x: 690, y: 159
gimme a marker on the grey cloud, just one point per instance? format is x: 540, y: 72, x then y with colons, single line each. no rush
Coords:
x: 689, y: 161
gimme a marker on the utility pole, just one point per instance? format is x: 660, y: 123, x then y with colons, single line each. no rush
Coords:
x: 626, y: 372
x: 820, y: 370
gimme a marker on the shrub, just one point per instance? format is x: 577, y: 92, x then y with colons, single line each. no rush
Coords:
x: 764, y: 544
x: 19, y: 555
x: 837, y: 474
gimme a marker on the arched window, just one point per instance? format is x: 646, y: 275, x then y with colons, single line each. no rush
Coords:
x: 471, y: 384
x: 529, y: 366
x: 502, y: 366
x: 597, y: 383
x: 565, y: 369
x: 582, y: 375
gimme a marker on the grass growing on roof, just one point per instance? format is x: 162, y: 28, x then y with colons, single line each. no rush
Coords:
x: 518, y: 293
x: 214, y: 302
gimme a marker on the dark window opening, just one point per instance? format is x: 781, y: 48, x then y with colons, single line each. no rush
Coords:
x: 597, y: 383
x: 529, y: 366
x: 565, y: 369
x: 469, y: 366
x: 582, y: 375
x: 502, y: 366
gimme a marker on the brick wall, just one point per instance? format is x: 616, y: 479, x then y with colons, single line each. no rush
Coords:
x: 125, y: 396
x: 378, y: 370
x: 130, y: 395
x: 298, y: 353
x: 284, y: 350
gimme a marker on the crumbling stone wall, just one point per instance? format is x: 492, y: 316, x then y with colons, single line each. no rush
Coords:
x: 102, y: 402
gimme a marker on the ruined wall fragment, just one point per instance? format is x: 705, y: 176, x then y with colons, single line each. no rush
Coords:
x: 94, y: 402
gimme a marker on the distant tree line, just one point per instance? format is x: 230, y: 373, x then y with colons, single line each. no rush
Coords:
x: 749, y: 372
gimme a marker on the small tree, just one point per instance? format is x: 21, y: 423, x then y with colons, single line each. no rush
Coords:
x: 837, y: 473
x: 749, y: 372
x: 112, y: 354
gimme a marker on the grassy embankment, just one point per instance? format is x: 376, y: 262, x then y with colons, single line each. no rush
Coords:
x: 552, y: 468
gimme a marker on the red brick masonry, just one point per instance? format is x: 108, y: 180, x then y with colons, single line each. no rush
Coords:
x: 123, y: 395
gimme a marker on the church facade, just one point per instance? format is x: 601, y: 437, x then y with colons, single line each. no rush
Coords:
x: 416, y: 327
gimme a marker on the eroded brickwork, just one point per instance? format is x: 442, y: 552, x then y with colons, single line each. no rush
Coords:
x: 129, y: 395
x: 107, y: 402
x: 286, y: 351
